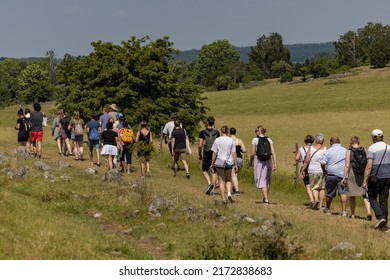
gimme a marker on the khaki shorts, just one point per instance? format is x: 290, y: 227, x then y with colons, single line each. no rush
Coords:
x: 180, y: 154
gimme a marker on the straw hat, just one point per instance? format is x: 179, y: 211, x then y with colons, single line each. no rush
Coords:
x: 113, y: 107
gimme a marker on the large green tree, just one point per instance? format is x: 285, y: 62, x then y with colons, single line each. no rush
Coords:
x: 9, y: 73
x: 267, y: 51
x: 368, y: 45
x: 215, y: 60
x: 34, y: 84
x: 139, y: 75
x: 348, y: 51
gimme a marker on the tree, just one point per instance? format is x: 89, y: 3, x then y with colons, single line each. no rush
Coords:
x: 375, y: 43
x: 347, y: 50
x: 34, y: 84
x: 139, y: 75
x: 369, y: 45
x: 9, y: 72
x: 215, y: 60
x: 283, y: 70
x: 267, y: 51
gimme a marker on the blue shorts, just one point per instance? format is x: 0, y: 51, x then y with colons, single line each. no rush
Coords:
x: 333, y: 184
x: 93, y: 144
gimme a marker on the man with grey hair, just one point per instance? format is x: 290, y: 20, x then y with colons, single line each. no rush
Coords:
x: 333, y: 162
x: 377, y: 178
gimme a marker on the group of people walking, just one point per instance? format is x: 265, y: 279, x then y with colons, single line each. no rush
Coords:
x: 30, y: 129
x: 110, y: 135
x: 350, y: 173
x: 326, y: 172
x: 221, y: 155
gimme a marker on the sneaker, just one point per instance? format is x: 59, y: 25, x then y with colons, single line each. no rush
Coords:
x: 230, y: 199
x: 343, y: 214
x: 224, y: 202
x: 148, y: 174
x: 326, y: 210
x: 188, y: 175
x: 213, y: 193
x: 385, y: 228
x: 237, y: 193
x: 369, y: 217
x: 209, y: 189
x: 265, y: 201
x: 380, y: 224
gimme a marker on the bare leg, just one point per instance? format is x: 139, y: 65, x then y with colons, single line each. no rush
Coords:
x: 368, y: 207
x: 352, y: 205
x: 235, y: 180
x: 185, y: 165
x: 206, y: 176
x: 39, y: 148
x: 310, y: 194
x: 98, y: 156
x: 344, y: 200
x: 59, y: 145
x: 110, y: 161
x: 265, y: 191
x: 221, y: 176
x: 322, y: 198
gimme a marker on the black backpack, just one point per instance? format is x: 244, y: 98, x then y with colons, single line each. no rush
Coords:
x: 25, y: 125
x: 210, y: 137
x: 358, y: 160
x: 263, y: 151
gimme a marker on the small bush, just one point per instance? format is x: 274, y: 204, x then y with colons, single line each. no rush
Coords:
x: 268, y: 241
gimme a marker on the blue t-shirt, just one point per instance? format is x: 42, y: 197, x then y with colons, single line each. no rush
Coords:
x: 103, y: 120
x: 93, y: 127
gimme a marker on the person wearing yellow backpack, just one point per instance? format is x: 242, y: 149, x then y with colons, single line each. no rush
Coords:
x: 127, y: 138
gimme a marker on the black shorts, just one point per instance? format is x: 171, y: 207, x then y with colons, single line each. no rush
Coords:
x: 207, y: 158
x: 306, y: 180
x: 23, y: 136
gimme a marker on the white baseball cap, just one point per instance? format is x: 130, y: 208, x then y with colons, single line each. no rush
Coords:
x: 376, y: 133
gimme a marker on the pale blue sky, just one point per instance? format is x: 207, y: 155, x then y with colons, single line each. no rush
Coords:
x: 31, y: 27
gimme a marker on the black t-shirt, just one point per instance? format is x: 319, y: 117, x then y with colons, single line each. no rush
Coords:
x: 36, y: 121
x: 21, y: 122
x: 108, y: 137
x: 65, y: 124
x: 180, y: 138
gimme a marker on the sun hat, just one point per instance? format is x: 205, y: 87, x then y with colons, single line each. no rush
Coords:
x: 376, y: 133
x: 113, y: 107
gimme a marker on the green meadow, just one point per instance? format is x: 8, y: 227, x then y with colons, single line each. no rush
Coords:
x: 65, y: 213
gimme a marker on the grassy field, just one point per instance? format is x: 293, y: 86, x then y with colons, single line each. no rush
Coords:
x: 79, y: 216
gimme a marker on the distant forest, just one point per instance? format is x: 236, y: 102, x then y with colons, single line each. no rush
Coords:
x: 299, y: 52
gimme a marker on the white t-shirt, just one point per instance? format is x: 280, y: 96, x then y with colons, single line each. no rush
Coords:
x: 376, y: 152
x: 168, y: 128
x: 224, y: 147
x: 303, y: 151
x: 316, y: 159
